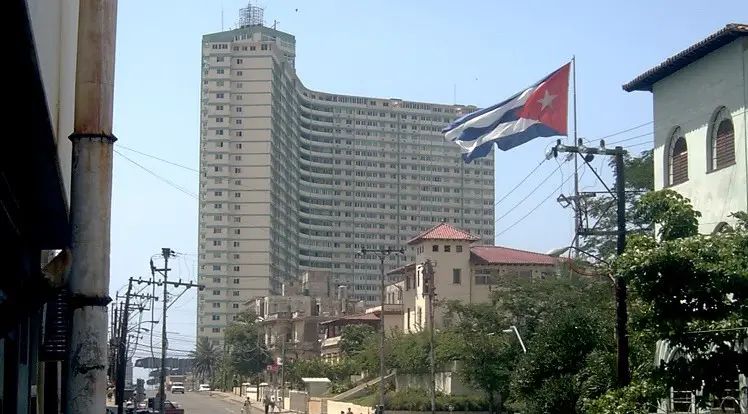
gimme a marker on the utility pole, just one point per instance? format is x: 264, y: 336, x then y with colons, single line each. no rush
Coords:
x: 119, y: 387
x: 166, y: 253
x: 622, y: 359
x: 428, y: 270
x: 91, y: 208
x: 121, y: 369
x: 381, y: 255
x: 282, y: 367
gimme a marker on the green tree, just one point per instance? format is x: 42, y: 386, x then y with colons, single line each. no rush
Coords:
x: 354, y: 338
x: 692, y: 291
x: 486, y: 356
x: 205, y: 359
x: 551, y: 378
x: 246, y: 354
x: 639, y: 179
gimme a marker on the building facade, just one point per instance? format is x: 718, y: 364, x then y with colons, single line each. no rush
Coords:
x: 35, y: 195
x: 463, y: 271
x: 295, y: 180
x: 700, y: 124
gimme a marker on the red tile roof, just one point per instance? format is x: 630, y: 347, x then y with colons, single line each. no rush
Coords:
x: 443, y: 231
x: 499, y: 255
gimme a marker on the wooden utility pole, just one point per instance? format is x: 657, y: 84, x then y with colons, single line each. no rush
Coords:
x: 623, y: 376
x: 166, y: 253
x: 428, y: 274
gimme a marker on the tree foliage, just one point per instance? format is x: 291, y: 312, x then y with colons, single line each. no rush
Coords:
x: 549, y: 377
x: 354, y: 339
x: 486, y: 356
x: 205, y: 359
x: 694, y: 291
x: 246, y: 354
x: 639, y: 179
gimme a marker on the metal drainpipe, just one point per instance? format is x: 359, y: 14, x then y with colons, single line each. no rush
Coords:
x: 90, y: 207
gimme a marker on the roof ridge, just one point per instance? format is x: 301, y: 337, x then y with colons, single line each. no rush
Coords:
x: 511, y: 248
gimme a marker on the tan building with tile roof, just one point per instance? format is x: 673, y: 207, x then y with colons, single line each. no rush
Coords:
x: 462, y: 272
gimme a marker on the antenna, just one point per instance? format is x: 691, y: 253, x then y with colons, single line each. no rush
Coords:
x: 252, y: 15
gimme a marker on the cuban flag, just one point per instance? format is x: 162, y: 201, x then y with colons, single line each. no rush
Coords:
x: 539, y: 111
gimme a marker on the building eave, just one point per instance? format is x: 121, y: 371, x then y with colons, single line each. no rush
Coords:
x: 723, y: 37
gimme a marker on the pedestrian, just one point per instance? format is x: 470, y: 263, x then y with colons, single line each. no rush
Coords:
x: 247, y: 407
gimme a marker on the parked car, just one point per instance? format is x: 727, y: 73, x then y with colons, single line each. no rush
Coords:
x: 203, y: 387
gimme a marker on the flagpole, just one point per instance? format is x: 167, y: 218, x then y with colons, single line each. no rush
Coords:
x: 577, y: 212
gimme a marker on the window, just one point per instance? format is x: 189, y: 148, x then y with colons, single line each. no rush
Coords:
x: 235, y: 293
x: 216, y: 330
x: 456, y: 276
x: 216, y: 267
x: 721, y: 140
x: 525, y: 273
x: 447, y: 248
x: 216, y: 304
x: 435, y: 248
x: 678, y: 158
x: 216, y: 280
x: 236, y: 269
x: 236, y: 280
x: 239, y: 61
x: 458, y: 248
x: 216, y: 317
x: 235, y: 305
x: 216, y: 293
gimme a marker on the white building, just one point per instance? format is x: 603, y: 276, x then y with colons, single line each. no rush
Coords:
x: 700, y: 135
x: 294, y: 180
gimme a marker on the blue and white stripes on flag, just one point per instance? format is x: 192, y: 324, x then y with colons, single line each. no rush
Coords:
x: 539, y: 111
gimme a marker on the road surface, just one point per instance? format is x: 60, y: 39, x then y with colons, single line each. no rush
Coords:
x: 203, y: 403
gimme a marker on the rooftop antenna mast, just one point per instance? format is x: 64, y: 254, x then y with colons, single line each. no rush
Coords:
x: 252, y: 15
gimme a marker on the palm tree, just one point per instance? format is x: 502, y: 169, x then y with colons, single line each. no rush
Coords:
x: 205, y: 359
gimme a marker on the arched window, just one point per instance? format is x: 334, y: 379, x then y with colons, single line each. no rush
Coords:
x: 721, y: 140
x: 678, y: 158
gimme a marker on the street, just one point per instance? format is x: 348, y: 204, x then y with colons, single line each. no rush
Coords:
x: 205, y: 403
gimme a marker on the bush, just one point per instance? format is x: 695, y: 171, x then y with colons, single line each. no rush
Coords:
x: 416, y: 399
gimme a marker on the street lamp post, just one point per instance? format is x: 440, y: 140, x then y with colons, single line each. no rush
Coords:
x: 516, y: 332
x: 381, y: 255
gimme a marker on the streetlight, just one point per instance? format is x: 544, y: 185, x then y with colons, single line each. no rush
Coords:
x: 557, y: 252
x: 381, y: 255
x: 516, y: 332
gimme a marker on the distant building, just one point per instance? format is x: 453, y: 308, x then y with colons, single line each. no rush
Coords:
x: 462, y: 272
x: 700, y: 131
x: 295, y: 180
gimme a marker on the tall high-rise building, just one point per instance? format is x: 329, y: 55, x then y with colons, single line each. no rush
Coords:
x: 293, y: 179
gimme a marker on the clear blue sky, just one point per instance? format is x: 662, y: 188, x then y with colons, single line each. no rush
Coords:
x: 414, y: 50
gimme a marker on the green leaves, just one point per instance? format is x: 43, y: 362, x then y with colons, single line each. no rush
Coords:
x: 692, y: 291
x: 355, y: 338
x: 205, y: 359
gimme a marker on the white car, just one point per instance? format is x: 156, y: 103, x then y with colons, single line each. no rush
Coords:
x: 203, y: 387
x: 177, y: 387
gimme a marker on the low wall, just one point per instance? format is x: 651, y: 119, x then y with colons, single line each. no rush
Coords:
x: 337, y: 407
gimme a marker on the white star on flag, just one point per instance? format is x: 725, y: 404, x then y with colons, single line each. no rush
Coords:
x: 547, y: 100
